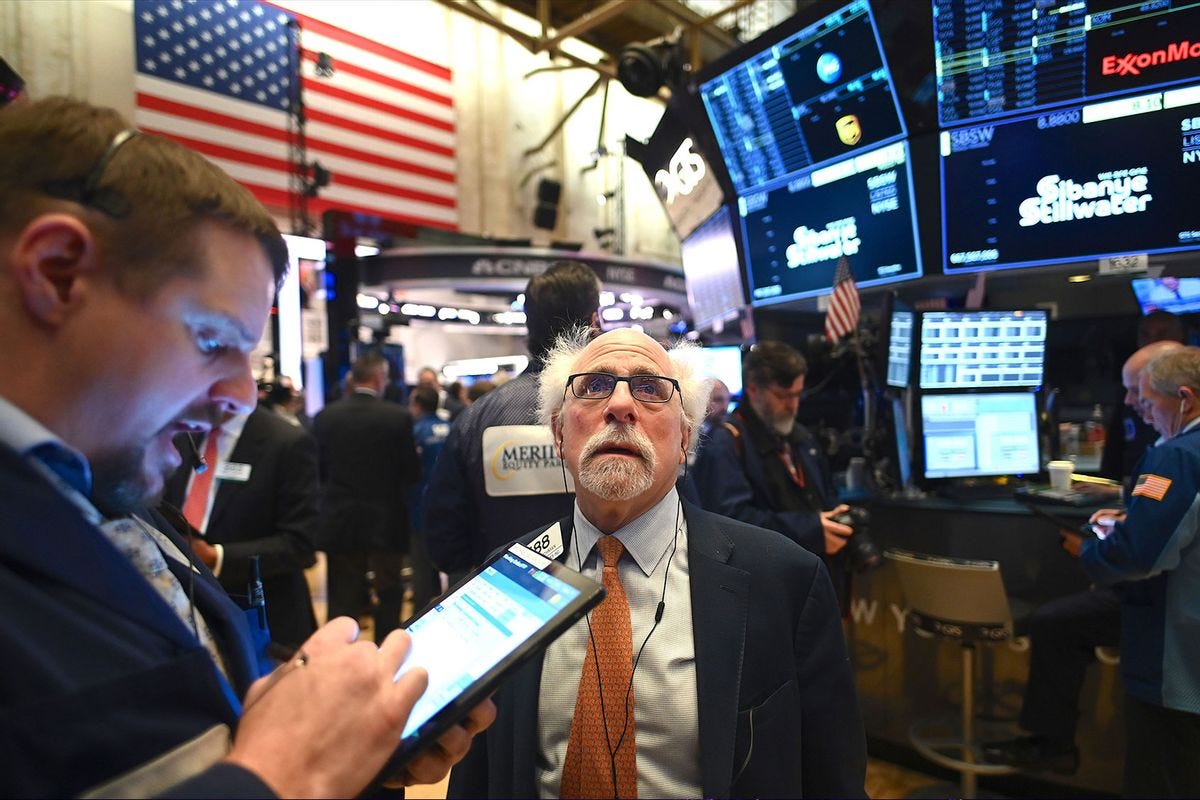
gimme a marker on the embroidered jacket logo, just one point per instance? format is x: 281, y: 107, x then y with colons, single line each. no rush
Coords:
x: 1134, y: 63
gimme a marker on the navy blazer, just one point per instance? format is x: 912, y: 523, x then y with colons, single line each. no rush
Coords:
x: 778, y: 711
x: 99, y: 674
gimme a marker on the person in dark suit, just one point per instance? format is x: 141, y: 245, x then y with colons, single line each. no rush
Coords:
x: 262, y: 502
x: 763, y: 468
x: 368, y: 460
x: 135, y: 278
x: 741, y: 685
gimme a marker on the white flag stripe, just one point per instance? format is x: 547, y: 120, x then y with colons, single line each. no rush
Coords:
x: 376, y: 91
x: 378, y: 119
x: 372, y: 172
x: 193, y: 129
x: 339, y: 50
x: 319, y: 131
x: 209, y: 101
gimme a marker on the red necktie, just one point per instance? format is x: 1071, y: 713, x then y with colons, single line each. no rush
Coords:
x: 603, y: 738
x: 785, y: 455
x: 197, y: 499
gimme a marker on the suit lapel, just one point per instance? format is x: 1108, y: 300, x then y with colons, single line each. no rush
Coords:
x: 245, y: 451
x: 720, y: 599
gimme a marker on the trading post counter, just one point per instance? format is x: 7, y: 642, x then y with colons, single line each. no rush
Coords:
x: 903, y: 676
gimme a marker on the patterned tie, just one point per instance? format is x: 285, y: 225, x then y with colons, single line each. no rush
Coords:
x: 603, y: 737
x: 134, y: 541
x: 196, y: 504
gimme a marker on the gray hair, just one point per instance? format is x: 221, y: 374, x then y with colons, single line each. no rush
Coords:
x: 1172, y: 370
x: 563, y: 355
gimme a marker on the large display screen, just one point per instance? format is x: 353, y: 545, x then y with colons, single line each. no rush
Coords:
x: 712, y: 272
x: 802, y: 98
x: 982, y: 349
x: 900, y: 345
x: 979, y: 435
x: 1110, y: 178
x: 996, y: 58
x: 861, y: 208
x: 1175, y: 295
x: 723, y: 363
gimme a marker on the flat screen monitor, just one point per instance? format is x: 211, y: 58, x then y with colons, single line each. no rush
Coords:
x: 682, y: 173
x: 804, y: 93
x: 982, y: 349
x: 713, y: 272
x: 900, y: 346
x: 1176, y: 295
x: 794, y: 234
x: 723, y: 363
x: 993, y: 59
x: 1081, y: 182
x: 979, y: 435
x: 903, y: 451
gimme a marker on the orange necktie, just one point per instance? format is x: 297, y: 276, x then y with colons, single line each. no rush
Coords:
x: 603, y: 738
x: 197, y: 499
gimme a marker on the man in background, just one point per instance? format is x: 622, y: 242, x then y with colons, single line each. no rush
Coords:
x: 368, y: 461
x: 430, y: 432
x: 255, y: 499
x: 485, y: 490
x: 135, y: 279
x: 741, y: 686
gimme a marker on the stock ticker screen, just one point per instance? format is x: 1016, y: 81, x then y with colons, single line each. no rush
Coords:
x: 1109, y: 178
x: 997, y: 57
x: 820, y: 93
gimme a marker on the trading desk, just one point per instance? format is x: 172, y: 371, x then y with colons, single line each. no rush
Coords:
x: 902, y: 677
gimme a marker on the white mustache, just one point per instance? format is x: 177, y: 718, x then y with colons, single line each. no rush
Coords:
x: 617, y: 435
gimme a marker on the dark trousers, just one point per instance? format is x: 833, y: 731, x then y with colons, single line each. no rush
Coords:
x: 1064, y: 634
x: 1162, y: 751
x: 426, y: 583
x: 347, y: 587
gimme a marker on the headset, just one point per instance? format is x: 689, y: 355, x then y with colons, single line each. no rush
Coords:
x: 658, y: 615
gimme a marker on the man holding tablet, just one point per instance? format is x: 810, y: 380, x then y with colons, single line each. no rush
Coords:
x: 715, y: 666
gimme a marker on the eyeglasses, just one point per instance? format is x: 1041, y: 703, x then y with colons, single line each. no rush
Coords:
x: 88, y: 192
x: 601, y: 385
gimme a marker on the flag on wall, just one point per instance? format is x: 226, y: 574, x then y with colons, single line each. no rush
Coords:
x: 217, y: 77
x: 844, y: 306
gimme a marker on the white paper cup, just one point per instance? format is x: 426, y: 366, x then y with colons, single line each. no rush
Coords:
x: 1060, y: 474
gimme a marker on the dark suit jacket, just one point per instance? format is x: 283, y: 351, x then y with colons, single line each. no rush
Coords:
x: 777, y: 706
x: 271, y: 515
x: 368, y: 459
x: 99, y: 674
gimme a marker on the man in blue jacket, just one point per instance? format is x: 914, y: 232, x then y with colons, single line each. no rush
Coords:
x: 1153, y: 554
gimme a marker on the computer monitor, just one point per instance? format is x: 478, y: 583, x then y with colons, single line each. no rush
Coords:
x: 1176, y: 295
x: 900, y: 346
x: 712, y: 272
x: 900, y: 440
x: 969, y: 435
x: 982, y: 349
x: 723, y: 362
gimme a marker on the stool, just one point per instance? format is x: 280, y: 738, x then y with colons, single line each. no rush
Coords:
x: 963, y: 600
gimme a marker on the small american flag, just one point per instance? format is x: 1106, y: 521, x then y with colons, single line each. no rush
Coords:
x: 844, y: 306
x: 218, y: 76
x: 1153, y: 486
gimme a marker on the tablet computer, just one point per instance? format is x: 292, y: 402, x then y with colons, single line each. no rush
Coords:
x: 506, y: 611
x: 1085, y: 529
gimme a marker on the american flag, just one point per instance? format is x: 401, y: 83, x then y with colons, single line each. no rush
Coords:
x: 842, y: 316
x: 217, y: 77
x: 1153, y: 486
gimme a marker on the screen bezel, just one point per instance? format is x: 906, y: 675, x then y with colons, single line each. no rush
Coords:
x: 590, y: 594
x: 920, y: 460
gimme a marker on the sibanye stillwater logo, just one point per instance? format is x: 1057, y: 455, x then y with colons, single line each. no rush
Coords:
x: 1112, y: 193
x: 839, y: 238
x: 1134, y: 63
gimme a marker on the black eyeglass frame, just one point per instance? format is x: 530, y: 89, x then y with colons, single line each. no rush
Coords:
x: 89, y: 193
x: 623, y: 379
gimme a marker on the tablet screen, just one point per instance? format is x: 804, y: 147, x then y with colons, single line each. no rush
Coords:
x: 473, y: 629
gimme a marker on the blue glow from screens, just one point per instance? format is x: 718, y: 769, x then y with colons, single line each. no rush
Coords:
x: 1176, y: 295
x: 900, y: 340
x: 982, y: 349
x: 724, y: 363
x: 1003, y: 58
x: 903, y: 452
x: 817, y: 95
x: 1078, y: 183
x: 980, y: 435
x: 862, y: 208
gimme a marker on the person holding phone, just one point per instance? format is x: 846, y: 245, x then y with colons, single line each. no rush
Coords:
x: 716, y: 664
x: 1153, y: 552
x: 135, y: 279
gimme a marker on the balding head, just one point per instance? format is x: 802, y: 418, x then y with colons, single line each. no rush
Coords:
x: 1131, y: 372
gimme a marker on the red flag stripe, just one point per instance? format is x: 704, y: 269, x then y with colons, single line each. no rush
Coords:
x: 319, y: 87
x: 386, y: 80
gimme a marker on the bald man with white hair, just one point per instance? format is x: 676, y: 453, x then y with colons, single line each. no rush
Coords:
x: 732, y: 678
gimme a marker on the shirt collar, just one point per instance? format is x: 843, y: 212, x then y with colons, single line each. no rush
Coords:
x: 366, y: 391
x: 645, y: 538
x: 22, y: 433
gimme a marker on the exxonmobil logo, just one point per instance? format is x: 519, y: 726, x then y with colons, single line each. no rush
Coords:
x: 1134, y: 63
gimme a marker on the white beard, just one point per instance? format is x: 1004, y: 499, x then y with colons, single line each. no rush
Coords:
x: 617, y: 478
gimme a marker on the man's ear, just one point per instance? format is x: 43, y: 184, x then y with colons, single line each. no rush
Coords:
x: 556, y: 432
x: 50, y: 256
